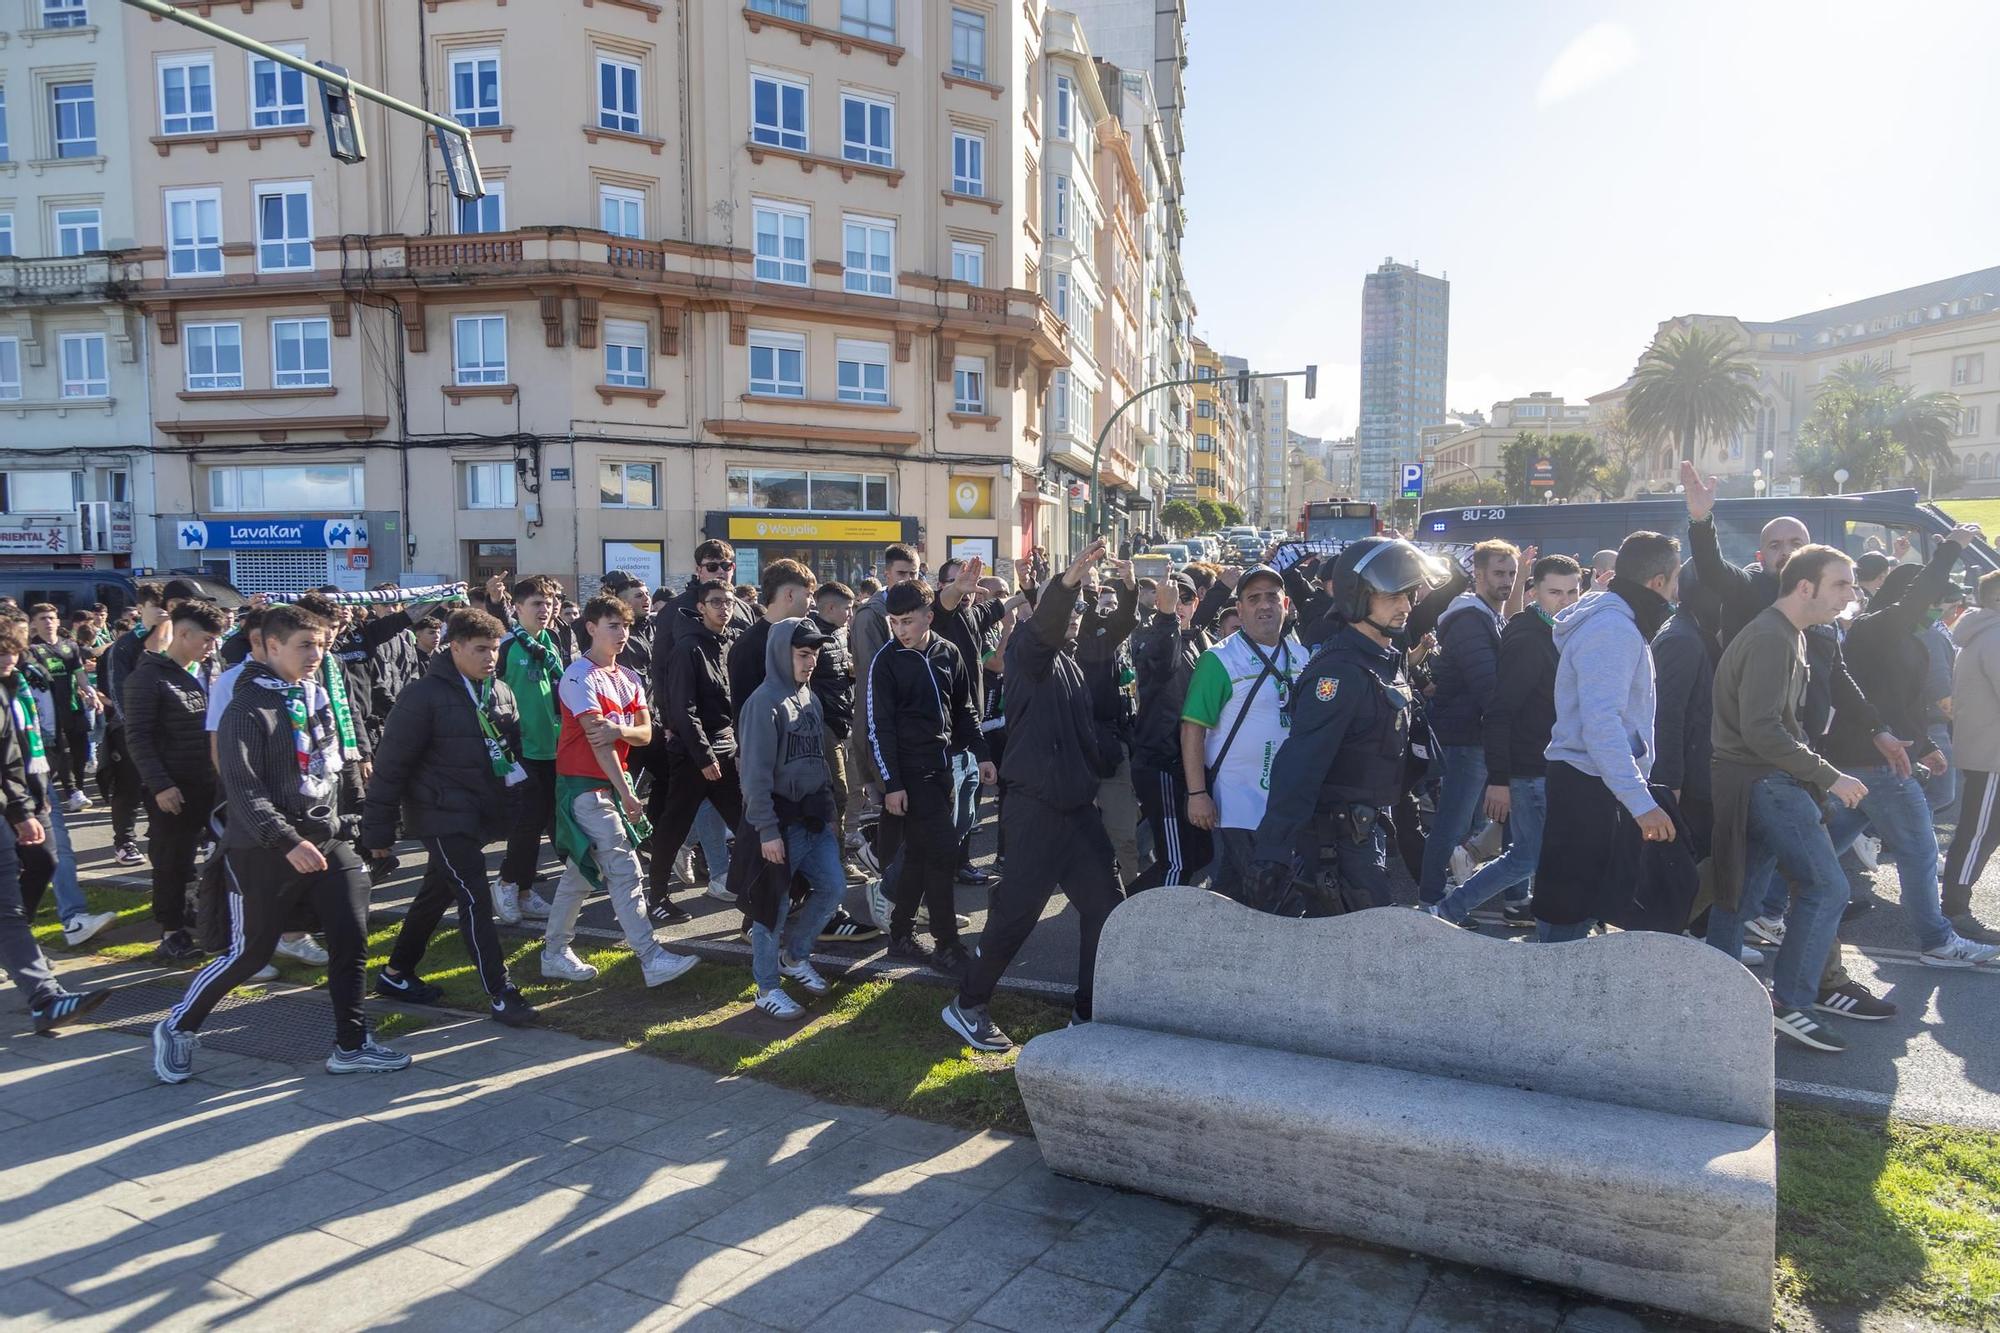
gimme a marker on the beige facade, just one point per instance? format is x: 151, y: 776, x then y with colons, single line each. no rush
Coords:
x: 1458, y: 453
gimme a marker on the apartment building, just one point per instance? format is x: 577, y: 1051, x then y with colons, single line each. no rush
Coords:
x: 1405, y: 343
x: 1464, y: 451
x: 1215, y: 424
x: 73, y: 402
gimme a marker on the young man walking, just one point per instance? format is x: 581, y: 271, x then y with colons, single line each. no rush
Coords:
x: 443, y: 767
x: 701, y: 750
x: 1164, y: 653
x: 531, y: 666
x: 70, y: 700
x: 166, y: 710
x: 599, y: 820
x: 150, y: 634
x: 280, y: 761
x: 1975, y: 694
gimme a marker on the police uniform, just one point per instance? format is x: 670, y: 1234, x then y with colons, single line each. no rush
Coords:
x: 1332, y: 783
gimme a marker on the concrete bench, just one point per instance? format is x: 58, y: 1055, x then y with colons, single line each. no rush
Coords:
x: 1594, y: 1114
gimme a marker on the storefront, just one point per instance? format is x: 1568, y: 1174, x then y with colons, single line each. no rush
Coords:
x: 287, y: 555
x: 832, y: 546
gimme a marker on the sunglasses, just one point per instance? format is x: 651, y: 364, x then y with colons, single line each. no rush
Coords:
x: 717, y: 566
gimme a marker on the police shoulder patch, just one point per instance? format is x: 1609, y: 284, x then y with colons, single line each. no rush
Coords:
x: 1325, y: 689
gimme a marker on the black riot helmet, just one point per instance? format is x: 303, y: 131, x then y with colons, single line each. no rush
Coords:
x: 1379, y: 564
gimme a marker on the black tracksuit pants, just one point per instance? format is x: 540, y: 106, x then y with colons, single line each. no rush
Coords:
x: 119, y: 776
x: 71, y: 761
x: 1051, y: 849
x: 456, y: 877
x: 265, y: 895
x: 686, y: 790
x: 1180, y: 849
x: 926, y: 835
x: 1973, y: 841
x: 171, y: 843
x: 535, y: 819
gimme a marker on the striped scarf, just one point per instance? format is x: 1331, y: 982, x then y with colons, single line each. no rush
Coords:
x: 333, y: 677
x: 29, y: 721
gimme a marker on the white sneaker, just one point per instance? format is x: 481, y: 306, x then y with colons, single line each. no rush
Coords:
x: 81, y: 929
x: 720, y: 891
x: 566, y: 966
x: 878, y: 904
x: 807, y: 976
x: 534, y: 907
x: 1868, y: 851
x: 663, y: 967
x: 506, y: 904
x: 1960, y: 952
x: 1462, y: 865
x: 77, y: 803
x: 1766, y: 930
x: 304, y: 949
x: 1752, y: 957
x: 924, y: 919
x: 265, y: 973
x: 780, y: 1005
x: 684, y: 865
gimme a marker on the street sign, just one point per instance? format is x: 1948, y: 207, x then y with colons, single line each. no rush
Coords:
x: 1413, y: 481
x: 1543, y: 473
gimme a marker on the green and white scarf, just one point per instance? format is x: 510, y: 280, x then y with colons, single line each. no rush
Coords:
x: 29, y: 721
x: 333, y: 677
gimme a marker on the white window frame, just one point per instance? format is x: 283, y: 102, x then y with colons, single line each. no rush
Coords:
x: 971, y: 181
x: 862, y: 356
x: 777, y: 267
x: 287, y: 246
x: 868, y: 23
x: 968, y: 22
x: 1059, y: 394
x: 1065, y: 100
x: 226, y: 489
x: 627, y: 354
x: 877, y: 275
x: 969, y: 385
x: 865, y: 149
x: 493, y: 201
x: 629, y: 206
x: 777, y: 344
x: 776, y: 134
x: 186, y: 259
x: 10, y: 370
x: 794, y: 10
x: 968, y: 258
x: 306, y: 376
x: 281, y: 112
x: 616, y: 115
x: 1059, y: 289
x: 474, y: 114
x: 70, y: 13
x: 1059, y: 206
x: 61, y: 144
x: 501, y: 477
x: 188, y: 120
x: 625, y: 467
x: 479, y: 370
x: 215, y: 337
x: 72, y: 232
x: 88, y: 386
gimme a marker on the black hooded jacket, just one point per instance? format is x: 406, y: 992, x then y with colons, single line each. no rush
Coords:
x: 1052, y: 753
x: 432, y: 765
x: 695, y: 704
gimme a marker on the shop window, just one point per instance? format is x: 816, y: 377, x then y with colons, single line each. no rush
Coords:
x: 816, y: 491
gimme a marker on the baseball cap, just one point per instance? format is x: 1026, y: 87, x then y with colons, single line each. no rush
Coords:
x: 618, y: 580
x: 808, y: 635
x: 1259, y: 572
x: 1184, y: 584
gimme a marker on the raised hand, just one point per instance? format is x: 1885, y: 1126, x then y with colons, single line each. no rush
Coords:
x: 1700, y: 494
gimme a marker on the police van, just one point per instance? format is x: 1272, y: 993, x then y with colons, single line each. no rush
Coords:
x: 1892, y: 522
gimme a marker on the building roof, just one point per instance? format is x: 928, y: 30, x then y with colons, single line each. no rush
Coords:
x: 1980, y: 282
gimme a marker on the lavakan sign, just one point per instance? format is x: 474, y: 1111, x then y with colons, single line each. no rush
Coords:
x: 273, y: 534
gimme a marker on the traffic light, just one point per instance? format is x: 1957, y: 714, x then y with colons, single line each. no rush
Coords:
x: 1312, y: 380
x: 460, y: 170
x: 343, y: 127
x: 1242, y: 386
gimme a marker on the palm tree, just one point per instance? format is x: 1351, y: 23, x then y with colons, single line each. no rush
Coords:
x: 1692, y: 387
x: 1864, y: 421
x: 1924, y: 424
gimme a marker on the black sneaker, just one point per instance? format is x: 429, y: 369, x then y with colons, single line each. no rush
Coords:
x: 407, y: 990
x: 844, y: 929
x: 909, y: 949
x: 1806, y: 1030
x: 177, y: 946
x: 128, y: 854
x: 1859, y: 907
x: 976, y: 1028
x: 951, y: 960
x: 512, y: 1010
x: 666, y: 912
x: 66, y: 1008
x: 973, y: 875
x: 1849, y: 1000
x: 1969, y: 927
x: 1517, y: 916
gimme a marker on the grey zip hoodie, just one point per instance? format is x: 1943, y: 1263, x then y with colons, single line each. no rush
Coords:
x: 780, y: 735
x: 1975, y: 692
x: 1605, y: 698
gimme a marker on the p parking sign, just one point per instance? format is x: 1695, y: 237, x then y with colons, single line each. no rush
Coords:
x: 1413, y: 481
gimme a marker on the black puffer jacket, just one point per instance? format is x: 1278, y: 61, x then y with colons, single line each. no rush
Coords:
x: 166, y: 726
x: 1516, y: 727
x: 433, y: 767
x: 833, y: 680
x: 1163, y: 658
x: 695, y: 703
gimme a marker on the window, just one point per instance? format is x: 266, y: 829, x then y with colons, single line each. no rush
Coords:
x: 870, y: 248
x: 873, y: 19
x: 1969, y: 369
x: 968, y: 44
x: 778, y: 364
x: 1059, y: 207
x: 277, y: 92
x: 10, y: 369
x: 475, y: 87
x: 795, y: 10
x: 1079, y: 407
x: 628, y: 485
x: 968, y: 262
x: 486, y: 213
x: 75, y: 118
x: 302, y: 488
x: 6, y: 234
x: 487, y: 485
x: 44, y: 491
x: 1969, y: 422
x: 78, y: 231
x: 1059, y: 294
x: 968, y: 385
x: 1059, y: 402
x: 968, y: 164
x: 301, y: 355
x: 625, y: 361
x: 187, y: 95
x: 1205, y: 410
x: 621, y: 212
x: 838, y: 492
x: 867, y: 130
x: 617, y: 95
x: 284, y: 228
x: 479, y: 349
x: 863, y: 371
x: 65, y: 14
x: 1065, y: 106
x: 83, y: 367
x: 3, y: 124
x: 777, y: 112
x: 1204, y: 444
x: 194, y: 233
x: 781, y: 242
x: 214, y: 357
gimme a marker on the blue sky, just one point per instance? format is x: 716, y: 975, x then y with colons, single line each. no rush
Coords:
x: 1579, y: 171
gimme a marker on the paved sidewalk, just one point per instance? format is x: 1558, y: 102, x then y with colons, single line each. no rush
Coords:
x: 534, y: 1180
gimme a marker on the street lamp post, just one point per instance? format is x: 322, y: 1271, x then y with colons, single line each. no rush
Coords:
x: 1840, y: 475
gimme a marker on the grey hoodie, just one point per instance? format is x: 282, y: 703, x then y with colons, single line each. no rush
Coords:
x: 1975, y: 692
x: 1605, y: 698
x: 780, y: 735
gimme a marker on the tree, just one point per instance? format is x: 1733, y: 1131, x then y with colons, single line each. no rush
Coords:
x: 1624, y: 449
x: 1877, y: 429
x: 1465, y: 494
x: 1693, y: 388
x: 1232, y: 514
x: 1180, y: 517
x: 1573, y: 456
x: 1211, y: 514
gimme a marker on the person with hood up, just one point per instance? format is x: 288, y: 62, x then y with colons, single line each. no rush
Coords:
x: 1684, y: 656
x: 788, y: 802
x: 1975, y: 737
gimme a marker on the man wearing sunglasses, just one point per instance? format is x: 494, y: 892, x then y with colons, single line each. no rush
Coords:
x: 714, y: 560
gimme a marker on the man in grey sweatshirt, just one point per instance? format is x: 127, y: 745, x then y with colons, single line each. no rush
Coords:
x: 788, y: 800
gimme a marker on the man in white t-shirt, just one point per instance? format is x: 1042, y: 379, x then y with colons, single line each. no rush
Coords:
x: 1235, y: 719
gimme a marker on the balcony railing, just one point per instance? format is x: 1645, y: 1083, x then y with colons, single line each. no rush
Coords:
x: 50, y: 278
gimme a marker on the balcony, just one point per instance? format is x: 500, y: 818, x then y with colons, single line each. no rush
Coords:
x: 82, y: 277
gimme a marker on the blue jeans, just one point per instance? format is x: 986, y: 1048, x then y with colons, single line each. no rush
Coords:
x: 19, y: 954
x: 1548, y: 933
x: 1900, y: 813
x: 817, y: 857
x: 1785, y: 834
x: 713, y: 835
x: 69, y: 894
x: 1463, y: 786
x: 1942, y: 791
x: 965, y: 792
x: 1516, y: 866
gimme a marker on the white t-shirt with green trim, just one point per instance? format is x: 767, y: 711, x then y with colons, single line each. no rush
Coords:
x: 1221, y: 682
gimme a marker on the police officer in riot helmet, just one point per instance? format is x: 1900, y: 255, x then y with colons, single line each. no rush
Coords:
x: 1341, y: 767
